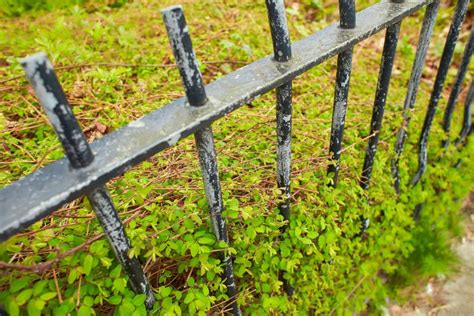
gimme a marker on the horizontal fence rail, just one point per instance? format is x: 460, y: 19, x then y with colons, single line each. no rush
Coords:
x: 56, y: 184
x: 87, y: 168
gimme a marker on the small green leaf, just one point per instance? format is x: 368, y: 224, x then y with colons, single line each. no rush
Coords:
x: 189, y: 298
x: 115, y: 273
x: 85, y: 311
x: 24, y: 296
x: 139, y: 300
x: 194, y: 249
x: 119, y: 285
x: 39, y: 287
x: 72, y: 276
x: 106, y: 262
x: 165, y: 291
x: 88, y: 260
x: 115, y: 300
x: 206, y: 241
x: 18, y: 284
x: 191, y: 281
x: 35, y: 306
x: 12, y: 308
x: 126, y: 309
x: 47, y: 296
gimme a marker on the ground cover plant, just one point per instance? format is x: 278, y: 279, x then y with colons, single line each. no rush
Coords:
x: 115, y: 64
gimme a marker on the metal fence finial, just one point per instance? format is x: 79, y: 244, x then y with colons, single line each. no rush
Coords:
x: 42, y: 77
x: 40, y: 73
x: 178, y: 34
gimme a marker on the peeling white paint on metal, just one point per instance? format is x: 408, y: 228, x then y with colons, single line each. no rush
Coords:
x: 110, y: 222
x: 210, y: 175
x: 47, y: 99
x: 175, y: 34
x: 280, y: 22
x: 339, y: 114
x: 173, y: 139
x: 284, y: 161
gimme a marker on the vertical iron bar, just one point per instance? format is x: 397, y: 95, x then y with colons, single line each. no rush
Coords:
x: 347, y: 14
x: 284, y: 122
x: 445, y: 62
x: 180, y: 41
x: 282, y: 53
x: 415, y: 77
x: 41, y: 75
x: 279, y: 30
x: 341, y: 92
x: 388, y: 56
x: 186, y: 61
x: 448, y: 114
x: 466, y: 126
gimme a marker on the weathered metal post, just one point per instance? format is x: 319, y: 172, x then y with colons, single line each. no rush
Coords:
x: 448, y: 114
x: 282, y: 54
x: 343, y: 76
x: 186, y: 61
x: 445, y: 62
x: 385, y: 73
x: 388, y: 57
x: 413, y: 83
x: 466, y: 126
x: 41, y: 75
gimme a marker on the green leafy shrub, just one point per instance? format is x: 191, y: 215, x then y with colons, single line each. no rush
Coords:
x: 14, y: 8
x: 117, y: 69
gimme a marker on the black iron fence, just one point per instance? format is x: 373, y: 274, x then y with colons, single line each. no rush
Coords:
x: 87, y: 167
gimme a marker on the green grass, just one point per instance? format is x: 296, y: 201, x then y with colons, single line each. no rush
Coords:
x: 114, y: 64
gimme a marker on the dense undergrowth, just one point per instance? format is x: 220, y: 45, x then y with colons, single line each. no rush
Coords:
x: 115, y: 65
